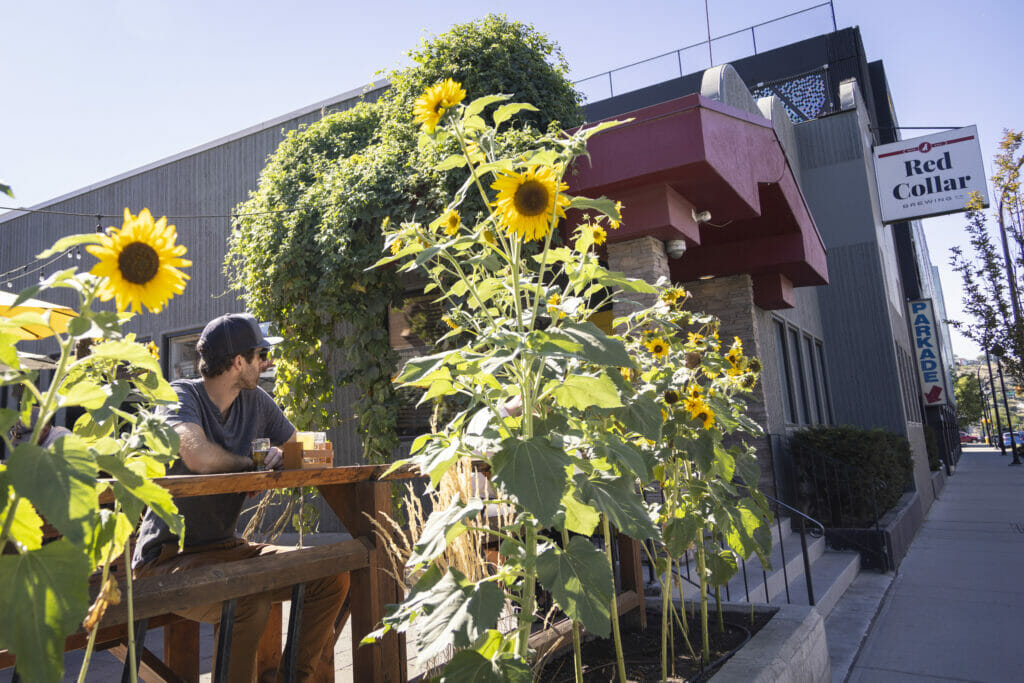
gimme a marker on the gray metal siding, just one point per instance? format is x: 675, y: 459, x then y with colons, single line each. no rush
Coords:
x: 208, y: 181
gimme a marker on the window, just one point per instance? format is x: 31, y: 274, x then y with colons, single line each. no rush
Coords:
x: 817, y: 412
x: 785, y: 375
x: 827, y: 403
x: 800, y: 375
x: 182, y: 358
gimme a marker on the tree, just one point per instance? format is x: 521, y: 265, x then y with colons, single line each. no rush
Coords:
x: 301, y: 248
x: 969, y: 406
x: 990, y: 293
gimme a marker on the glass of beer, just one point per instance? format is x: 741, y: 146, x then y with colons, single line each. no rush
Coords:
x: 260, y: 448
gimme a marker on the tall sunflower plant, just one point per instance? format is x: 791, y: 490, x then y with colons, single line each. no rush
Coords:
x: 92, y: 484
x: 556, y: 412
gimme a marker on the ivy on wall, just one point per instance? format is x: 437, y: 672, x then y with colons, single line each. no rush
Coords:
x: 300, y: 253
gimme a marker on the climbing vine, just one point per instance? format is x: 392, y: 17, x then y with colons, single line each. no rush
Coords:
x: 301, y: 249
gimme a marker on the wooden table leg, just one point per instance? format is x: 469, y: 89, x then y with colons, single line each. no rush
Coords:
x: 181, y: 649
x: 373, y: 588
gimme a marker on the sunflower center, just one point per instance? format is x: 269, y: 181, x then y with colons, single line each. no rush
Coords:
x: 138, y: 263
x: 531, y: 198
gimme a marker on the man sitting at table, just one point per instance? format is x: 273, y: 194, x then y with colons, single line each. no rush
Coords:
x: 217, y: 418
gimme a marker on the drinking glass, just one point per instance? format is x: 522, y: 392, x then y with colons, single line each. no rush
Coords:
x: 260, y: 448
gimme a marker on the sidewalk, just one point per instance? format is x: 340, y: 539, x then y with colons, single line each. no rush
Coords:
x: 955, y: 609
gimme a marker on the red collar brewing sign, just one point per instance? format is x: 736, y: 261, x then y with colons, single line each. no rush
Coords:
x: 930, y: 175
x: 927, y: 353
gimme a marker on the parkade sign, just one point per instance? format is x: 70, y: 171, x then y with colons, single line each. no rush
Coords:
x: 927, y: 353
x: 929, y: 176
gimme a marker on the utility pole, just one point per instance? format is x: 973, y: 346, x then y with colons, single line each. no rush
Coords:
x: 995, y: 404
x: 998, y: 352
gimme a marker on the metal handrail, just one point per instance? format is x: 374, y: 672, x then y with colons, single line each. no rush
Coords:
x: 679, y: 52
x: 804, y: 520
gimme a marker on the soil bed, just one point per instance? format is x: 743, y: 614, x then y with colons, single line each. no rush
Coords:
x: 642, y: 652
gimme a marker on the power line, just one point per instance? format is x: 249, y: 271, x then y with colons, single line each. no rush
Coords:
x: 101, y: 216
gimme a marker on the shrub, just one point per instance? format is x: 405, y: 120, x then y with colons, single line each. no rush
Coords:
x: 837, y: 466
x: 931, y: 443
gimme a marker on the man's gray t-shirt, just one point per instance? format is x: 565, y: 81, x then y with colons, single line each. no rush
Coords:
x: 212, y: 519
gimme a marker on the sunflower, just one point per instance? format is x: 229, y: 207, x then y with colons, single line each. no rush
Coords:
x: 657, y: 347
x: 431, y: 105
x: 451, y: 221
x: 153, y: 350
x: 139, y: 263
x: 671, y: 396
x: 526, y: 201
x: 597, y: 234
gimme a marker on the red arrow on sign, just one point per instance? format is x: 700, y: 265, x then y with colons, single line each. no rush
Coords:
x: 933, y: 395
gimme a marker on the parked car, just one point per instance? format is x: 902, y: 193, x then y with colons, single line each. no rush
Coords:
x: 969, y: 438
x: 1018, y: 437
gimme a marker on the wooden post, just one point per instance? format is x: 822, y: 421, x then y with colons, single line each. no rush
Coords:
x: 373, y: 588
x: 268, y: 652
x: 631, y: 572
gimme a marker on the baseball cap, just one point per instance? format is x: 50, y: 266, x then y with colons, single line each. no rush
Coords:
x: 229, y: 335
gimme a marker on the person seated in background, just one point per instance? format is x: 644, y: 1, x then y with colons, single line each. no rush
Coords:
x: 217, y: 418
x: 21, y: 432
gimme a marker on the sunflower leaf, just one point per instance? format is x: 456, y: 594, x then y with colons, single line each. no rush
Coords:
x: 65, y: 243
x: 481, y: 103
x: 507, y: 111
x: 454, y: 161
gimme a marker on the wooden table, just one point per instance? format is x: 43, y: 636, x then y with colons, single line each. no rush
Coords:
x: 356, y: 495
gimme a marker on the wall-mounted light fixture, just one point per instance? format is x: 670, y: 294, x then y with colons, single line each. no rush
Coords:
x: 675, y: 248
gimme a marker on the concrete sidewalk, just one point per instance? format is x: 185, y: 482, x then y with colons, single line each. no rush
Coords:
x: 955, y: 610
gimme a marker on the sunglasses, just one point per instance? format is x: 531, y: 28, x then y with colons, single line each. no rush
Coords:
x: 264, y: 354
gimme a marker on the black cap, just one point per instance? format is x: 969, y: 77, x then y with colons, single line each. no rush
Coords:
x: 230, y: 335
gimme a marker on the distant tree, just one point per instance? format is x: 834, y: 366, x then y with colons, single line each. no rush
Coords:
x: 969, y: 407
x: 991, y: 298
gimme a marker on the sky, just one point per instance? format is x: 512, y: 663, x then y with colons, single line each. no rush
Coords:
x: 92, y: 90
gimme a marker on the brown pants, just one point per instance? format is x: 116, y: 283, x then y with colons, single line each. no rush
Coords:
x: 321, y: 604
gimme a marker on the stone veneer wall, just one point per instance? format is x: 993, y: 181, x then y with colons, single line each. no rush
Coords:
x: 731, y: 299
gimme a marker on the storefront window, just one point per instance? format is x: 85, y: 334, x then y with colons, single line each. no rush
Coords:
x: 182, y: 359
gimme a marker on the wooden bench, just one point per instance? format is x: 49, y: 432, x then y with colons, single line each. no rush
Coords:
x: 355, y: 494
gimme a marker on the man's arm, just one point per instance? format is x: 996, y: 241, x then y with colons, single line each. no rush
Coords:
x: 204, y: 457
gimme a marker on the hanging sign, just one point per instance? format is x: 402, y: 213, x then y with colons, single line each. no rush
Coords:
x: 927, y: 352
x: 929, y: 176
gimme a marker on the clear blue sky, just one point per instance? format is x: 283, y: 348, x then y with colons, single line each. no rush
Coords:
x: 92, y: 90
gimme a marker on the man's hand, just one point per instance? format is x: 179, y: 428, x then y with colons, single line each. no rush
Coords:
x: 274, y: 459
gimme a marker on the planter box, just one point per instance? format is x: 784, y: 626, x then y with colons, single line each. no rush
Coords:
x: 791, y: 648
x: 883, y: 550
x: 938, y: 482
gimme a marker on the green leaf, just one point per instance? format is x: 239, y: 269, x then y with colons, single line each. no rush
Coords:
x: 507, y: 111
x: 454, y: 161
x: 456, y: 613
x: 534, y: 472
x: 680, y: 533
x: 588, y: 133
x: 642, y: 415
x: 701, y: 451
x: 481, y: 103
x: 580, y: 580
x: 580, y: 518
x: 6, y: 189
x: 584, y: 391
x: 749, y: 530
x: 469, y: 665
x: 45, y: 597
x: 8, y: 418
x: 134, y: 492
x: 721, y: 567
x: 65, y: 243
x: 618, y: 498
x: 585, y: 341
x: 628, y: 458
x: 85, y: 393
x: 441, y: 528
x: 27, y: 526
x: 602, y: 204
x: 130, y: 352
x: 61, y: 483
x: 620, y: 281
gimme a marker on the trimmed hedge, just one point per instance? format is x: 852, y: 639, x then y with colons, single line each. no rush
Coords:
x: 835, y: 466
